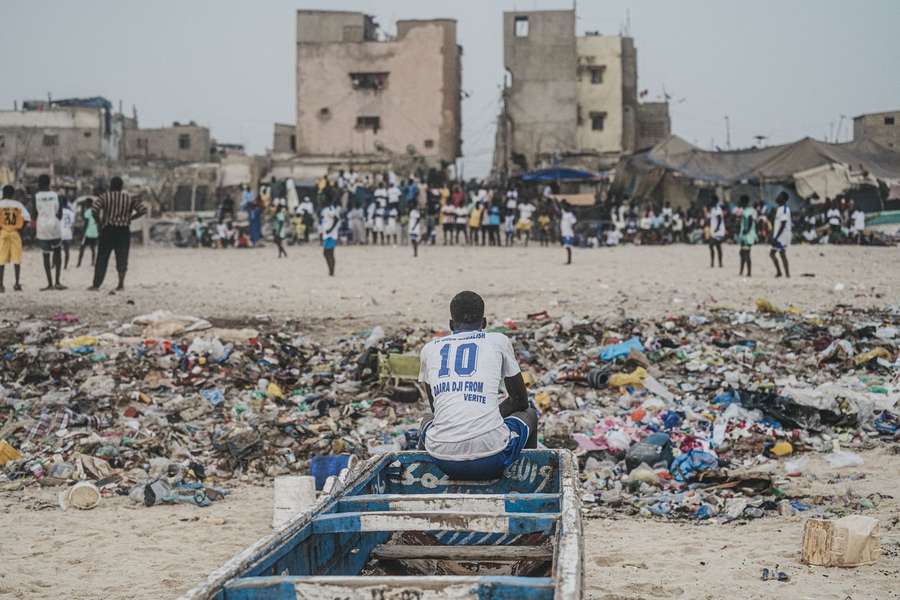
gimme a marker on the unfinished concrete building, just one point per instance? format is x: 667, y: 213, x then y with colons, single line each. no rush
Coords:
x: 62, y: 133
x: 883, y: 128
x: 570, y: 98
x: 358, y: 95
x: 182, y: 142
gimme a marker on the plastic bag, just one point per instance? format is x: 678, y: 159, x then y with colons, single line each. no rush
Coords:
x: 843, y: 458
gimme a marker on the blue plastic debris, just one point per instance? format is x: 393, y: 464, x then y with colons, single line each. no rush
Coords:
x: 614, y: 351
x: 687, y: 465
x: 214, y: 396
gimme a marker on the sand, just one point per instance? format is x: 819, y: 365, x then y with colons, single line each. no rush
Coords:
x: 120, y: 550
x: 387, y: 286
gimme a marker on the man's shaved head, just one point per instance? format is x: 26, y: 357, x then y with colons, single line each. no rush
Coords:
x: 466, y: 309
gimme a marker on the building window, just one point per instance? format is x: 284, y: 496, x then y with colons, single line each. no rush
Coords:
x: 889, y: 120
x: 51, y: 140
x: 369, y: 81
x: 184, y: 141
x: 521, y: 26
x: 597, y: 75
x: 325, y: 113
x: 142, y: 143
x: 87, y: 134
x: 598, y: 120
x: 373, y: 123
x: 429, y: 143
x: 293, y: 142
x: 2, y: 141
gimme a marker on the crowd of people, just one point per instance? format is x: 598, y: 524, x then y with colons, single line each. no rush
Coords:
x: 106, y: 231
x: 351, y: 208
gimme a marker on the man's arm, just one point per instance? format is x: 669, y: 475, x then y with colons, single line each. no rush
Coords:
x: 518, y: 396
x: 138, y: 209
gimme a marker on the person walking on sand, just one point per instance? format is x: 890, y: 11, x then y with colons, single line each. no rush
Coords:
x: 716, y: 231
x: 567, y: 229
x: 781, y: 239
x: 115, y: 210
x: 280, y: 229
x: 331, y: 219
x: 91, y: 232
x: 49, y: 231
x: 747, y: 234
x: 415, y: 226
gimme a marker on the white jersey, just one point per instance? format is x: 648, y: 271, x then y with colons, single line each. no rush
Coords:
x: 48, y: 225
x: 859, y: 220
x: 415, y: 218
x: 393, y: 195
x: 381, y: 197
x: 834, y: 216
x: 465, y: 372
x: 567, y: 224
x: 330, y: 222
x: 67, y: 224
x: 526, y: 209
x: 783, y: 215
x: 716, y: 222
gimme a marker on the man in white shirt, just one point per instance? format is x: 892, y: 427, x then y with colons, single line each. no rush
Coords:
x: 49, y: 230
x: 781, y: 239
x: 415, y: 224
x: 381, y: 199
x: 331, y: 220
x: 482, y: 420
x: 66, y: 230
x: 833, y: 216
x: 858, y: 219
x: 567, y: 229
x: 393, y: 196
x: 390, y: 225
x: 716, y: 231
x: 526, y: 209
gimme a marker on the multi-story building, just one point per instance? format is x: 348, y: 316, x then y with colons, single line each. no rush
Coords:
x: 60, y: 132
x: 182, y: 142
x: 361, y: 95
x: 569, y: 95
x: 883, y: 127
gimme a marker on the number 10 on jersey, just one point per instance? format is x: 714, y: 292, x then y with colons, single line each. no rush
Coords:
x: 464, y: 361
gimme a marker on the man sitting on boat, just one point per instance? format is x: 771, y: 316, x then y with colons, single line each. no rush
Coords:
x: 482, y: 419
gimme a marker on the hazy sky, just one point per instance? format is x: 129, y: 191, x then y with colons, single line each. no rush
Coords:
x: 779, y: 68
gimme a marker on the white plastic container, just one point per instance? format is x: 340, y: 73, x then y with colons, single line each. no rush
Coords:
x: 293, y: 495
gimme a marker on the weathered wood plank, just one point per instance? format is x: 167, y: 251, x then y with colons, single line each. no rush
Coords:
x: 469, y: 553
x: 483, y: 503
x: 434, y: 521
x: 366, y: 588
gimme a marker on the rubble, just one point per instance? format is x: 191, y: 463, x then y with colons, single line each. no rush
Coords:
x: 702, y: 416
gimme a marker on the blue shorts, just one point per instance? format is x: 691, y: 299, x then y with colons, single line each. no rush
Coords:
x: 488, y: 467
x: 776, y: 245
x: 568, y: 241
x: 48, y: 246
x: 329, y: 243
x: 414, y: 237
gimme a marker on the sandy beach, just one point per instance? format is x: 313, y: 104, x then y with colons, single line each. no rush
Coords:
x: 386, y: 286
x: 121, y: 550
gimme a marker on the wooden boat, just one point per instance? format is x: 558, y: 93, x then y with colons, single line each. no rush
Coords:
x: 400, y: 529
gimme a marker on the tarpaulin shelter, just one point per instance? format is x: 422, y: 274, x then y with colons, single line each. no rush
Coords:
x: 561, y: 174
x: 676, y: 168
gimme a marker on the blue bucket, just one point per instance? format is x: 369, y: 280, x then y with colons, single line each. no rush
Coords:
x: 323, y: 467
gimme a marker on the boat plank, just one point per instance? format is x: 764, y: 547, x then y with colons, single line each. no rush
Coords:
x: 434, y: 521
x: 466, y: 553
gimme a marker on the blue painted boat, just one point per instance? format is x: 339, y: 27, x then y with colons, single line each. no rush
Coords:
x: 400, y: 529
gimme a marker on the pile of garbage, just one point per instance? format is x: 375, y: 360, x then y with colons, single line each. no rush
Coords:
x: 166, y: 407
x: 696, y: 416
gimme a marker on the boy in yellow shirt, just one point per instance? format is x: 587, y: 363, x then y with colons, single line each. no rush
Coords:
x: 13, y: 216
